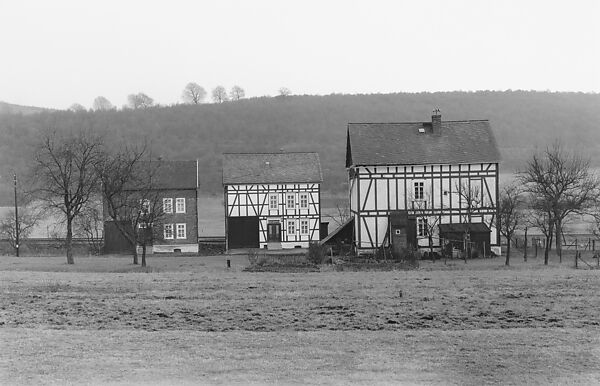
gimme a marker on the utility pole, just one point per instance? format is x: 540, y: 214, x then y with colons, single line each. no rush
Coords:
x: 16, y: 216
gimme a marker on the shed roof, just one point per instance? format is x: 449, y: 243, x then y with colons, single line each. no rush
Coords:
x: 462, y: 228
x: 254, y: 168
x: 414, y: 143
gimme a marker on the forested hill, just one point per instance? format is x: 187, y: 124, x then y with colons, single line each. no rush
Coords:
x: 522, y: 121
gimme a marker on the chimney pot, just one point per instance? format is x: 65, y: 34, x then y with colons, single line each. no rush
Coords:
x: 436, y: 121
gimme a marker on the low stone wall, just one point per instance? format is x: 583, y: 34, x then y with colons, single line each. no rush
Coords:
x: 45, y: 247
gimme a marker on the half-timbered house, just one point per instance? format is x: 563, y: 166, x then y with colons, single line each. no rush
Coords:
x: 272, y: 200
x: 409, y: 181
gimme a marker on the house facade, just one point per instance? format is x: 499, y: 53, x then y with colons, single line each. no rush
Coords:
x: 172, y: 194
x: 272, y: 200
x: 411, y: 183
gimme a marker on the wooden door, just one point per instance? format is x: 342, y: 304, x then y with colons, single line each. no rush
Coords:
x: 273, y: 232
x: 399, y: 243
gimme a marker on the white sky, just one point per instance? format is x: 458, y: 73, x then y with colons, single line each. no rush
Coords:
x: 55, y: 53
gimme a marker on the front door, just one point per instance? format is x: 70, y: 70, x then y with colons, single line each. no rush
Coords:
x: 274, y: 232
x: 399, y: 242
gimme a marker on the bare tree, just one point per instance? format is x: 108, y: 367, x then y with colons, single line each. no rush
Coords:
x: 102, y: 104
x: 561, y: 184
x: 427, y: 222
x: 28, y: 219
x: 471, y: 197
x: 284, y: 92
x: 76, y: 107
x: 65, y: 176
x: 193, y: 93
x: 510, y: 201
x: 237, y: 93
x: 341, y: 215
x: 89, y: 226
x: 219, y: 94
x: 131, y: 200
x: 542, y: 218
x: 139, y: 101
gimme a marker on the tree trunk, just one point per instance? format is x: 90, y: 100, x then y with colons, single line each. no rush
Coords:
x: 558, y: 232
x: 134, y: 253
x: 546, y: 250
x: 143, y: 254
x: 431, y: 249
x: 525, y: 250
x: 507, y: 253
x: 69, y: 241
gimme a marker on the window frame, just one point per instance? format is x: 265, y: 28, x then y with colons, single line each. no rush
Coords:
x: 302, y: 223
x: 422, y: 229
x: 291, y: 227
x: 276, y: 201
x: 170, y: 205
x: 293, y: 200
x: 184, y: 227
x: 177, y: 201
x: 300, y: 197
x: 165, y: 227
x: 419, y: 190
x: 145, y: 207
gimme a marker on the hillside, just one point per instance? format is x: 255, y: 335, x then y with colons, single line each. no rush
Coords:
x: 9, y: 108
x: 522, y: 121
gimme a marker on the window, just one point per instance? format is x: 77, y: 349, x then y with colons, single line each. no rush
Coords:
x: 181, y: 234
x: 167, y: 205
x: 291, y: 227
x: 180, y: 205
x: 273, y: 201
x: 290, y: 201
x: 419, y: 190
x: 303, y: 200
x: 421, y: 226
x: 168, y: 231
x: 303, y: 227
x: 145, y: 206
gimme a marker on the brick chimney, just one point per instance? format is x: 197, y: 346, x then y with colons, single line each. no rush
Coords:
x: 436, y: 121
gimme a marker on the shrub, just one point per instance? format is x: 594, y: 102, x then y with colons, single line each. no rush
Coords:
x: 262, y: 260
x: 316, y: 253
x: 252, y: 257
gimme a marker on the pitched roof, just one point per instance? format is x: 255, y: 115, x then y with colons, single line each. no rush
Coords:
x: 414, y: 143
x: 253, y: 168
x: 169, y: 174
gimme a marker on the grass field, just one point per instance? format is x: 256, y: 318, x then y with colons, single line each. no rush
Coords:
x: 190, y: 320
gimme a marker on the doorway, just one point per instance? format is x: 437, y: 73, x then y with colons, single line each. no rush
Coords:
x: 274, y: 232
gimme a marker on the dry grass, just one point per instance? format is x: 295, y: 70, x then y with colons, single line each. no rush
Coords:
x: 192, y: 320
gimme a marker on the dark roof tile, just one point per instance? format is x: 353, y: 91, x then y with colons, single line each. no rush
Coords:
x: 170, y: 174
x: 414, y: 143
x: 253, y: 168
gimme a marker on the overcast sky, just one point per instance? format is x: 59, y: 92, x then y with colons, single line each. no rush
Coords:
x: 55, y: 53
